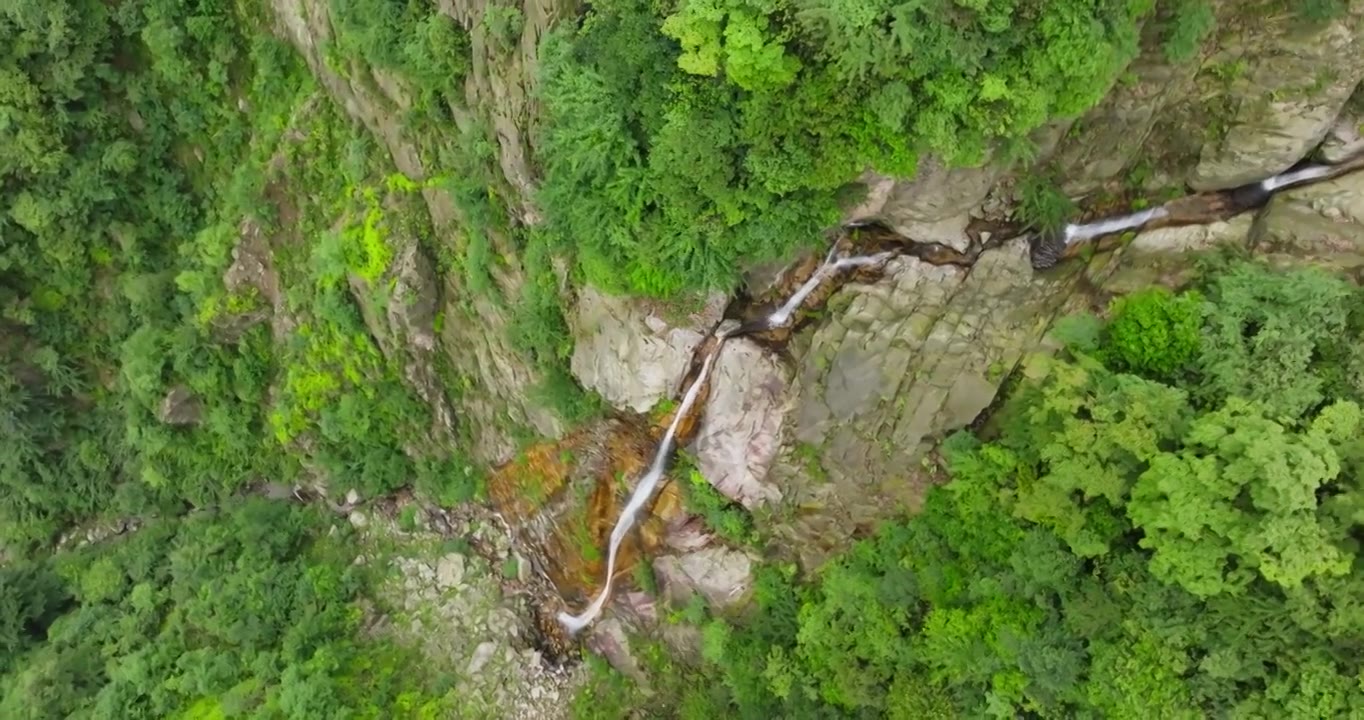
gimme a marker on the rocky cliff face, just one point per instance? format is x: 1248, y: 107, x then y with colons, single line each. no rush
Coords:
x: 475, y: 335
x: 898, y: 364
x: 836, y: 432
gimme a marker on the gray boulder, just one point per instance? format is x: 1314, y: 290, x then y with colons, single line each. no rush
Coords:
x: 628, y: 352
x: 740, y: 433
x: 1287, y: 100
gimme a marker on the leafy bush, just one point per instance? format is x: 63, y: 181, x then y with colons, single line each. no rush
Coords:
x: 1272, y: 335
x: 1189, y: 23
x: 1154, y: 333
x: 729, y: 521
x: 1042, y: 205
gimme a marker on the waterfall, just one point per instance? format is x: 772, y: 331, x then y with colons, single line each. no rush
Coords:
x: 651, y: 479
x: 1306, y: 174
x: 783, y: 314
x: 1080, y: 233
x: 643, y: 491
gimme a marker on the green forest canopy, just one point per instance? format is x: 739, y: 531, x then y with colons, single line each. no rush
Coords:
x: 238, y: 613
x: 795, y: 100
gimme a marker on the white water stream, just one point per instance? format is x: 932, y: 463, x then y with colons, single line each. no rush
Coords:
x: 1306, y: 174
x: 651, y: 479
x: 643, y: 491
x: 1080, y: 233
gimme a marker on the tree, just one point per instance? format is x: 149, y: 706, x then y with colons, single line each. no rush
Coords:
x: 1241, y: 498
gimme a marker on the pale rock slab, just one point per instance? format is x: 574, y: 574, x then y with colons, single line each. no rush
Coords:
x: 740, y: 433
x: 628, y: 353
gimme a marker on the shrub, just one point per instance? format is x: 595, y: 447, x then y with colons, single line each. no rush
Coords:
x: 1154, y: 333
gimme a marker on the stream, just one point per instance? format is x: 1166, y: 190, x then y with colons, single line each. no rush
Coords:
x: 859, y: 253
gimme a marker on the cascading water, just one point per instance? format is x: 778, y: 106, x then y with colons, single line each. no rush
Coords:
x: 782, y: 315
x: 1297, y: 177
x: 649, y: 483
x: 643, y: 491
x: 1048, y: 249
x: 1080, y: 233
x: 1192, y: 209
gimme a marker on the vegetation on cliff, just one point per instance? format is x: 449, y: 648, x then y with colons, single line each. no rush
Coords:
x: 1155, y: 524
x: 140, y: 142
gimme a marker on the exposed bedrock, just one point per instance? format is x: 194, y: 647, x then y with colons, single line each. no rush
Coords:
x: 1321, y: 224
x: 1291, y: 85
x: 897, y: 364
x: 741, y: 431
x: 631, y: 352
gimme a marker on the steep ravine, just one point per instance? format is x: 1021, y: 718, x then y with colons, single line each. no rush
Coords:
x: 825, y: 427
x: 591, y: 507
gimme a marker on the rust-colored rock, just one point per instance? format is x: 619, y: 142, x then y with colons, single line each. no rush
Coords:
x: 563, y: 500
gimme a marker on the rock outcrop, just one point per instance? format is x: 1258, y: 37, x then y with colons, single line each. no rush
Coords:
x: 502, y: 81
x: 740, y: 433
x: 937, y: 194
x: 1162, y: 256
x: 1321, y: 224
x: 1292, y: 83
x: 723, y: 577
x: 628, y: 352
x: 452, y: 606
x: 180, y: 407
x: 898, y: 364
x: 1117, y: 133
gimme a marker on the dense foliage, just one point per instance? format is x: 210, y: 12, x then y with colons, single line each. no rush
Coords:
x: 238, y: 613
x: 792, y: 100
x: 136, y: 150
x: 1144, y: 534
x: 1166, y: 522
